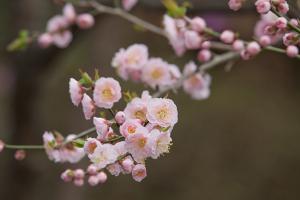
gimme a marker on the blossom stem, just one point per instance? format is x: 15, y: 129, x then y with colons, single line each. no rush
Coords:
x: 80, y: 135
x: 27, y: 147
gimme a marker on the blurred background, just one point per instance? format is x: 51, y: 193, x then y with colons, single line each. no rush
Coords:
x: 241, y: 143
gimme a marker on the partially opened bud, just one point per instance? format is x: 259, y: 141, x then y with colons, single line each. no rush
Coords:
x: 204, y: 55
x: 198, y: 24
x: 93, y: 180
x: 79, y: 182
x: 67, y: 175
x: 69, y: 13
x: 120, y: 117
x: 20, y: 155
x: 45, y: 40
x: 227, y: 37
x: 292, y: 51
x: 102, y: 177
x: 238, y: 45
x: 265, y: 40
x: 2, y: 145
x: 253, y: 48
x: 79, y: 174
x: 85, y: 21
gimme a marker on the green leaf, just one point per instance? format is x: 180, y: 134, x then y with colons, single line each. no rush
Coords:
x: 79, y: 143
x: 173, y: 9
x: 97, y: 75
x: 128, y: 96
x: 20, y: 43
x: 86, y: 79
x: 165, y: 129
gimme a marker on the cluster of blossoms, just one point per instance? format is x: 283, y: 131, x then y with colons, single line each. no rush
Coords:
x: 122, y: 145
x: 134, y: 63
x: 58, y: 31
x: 273, y: 27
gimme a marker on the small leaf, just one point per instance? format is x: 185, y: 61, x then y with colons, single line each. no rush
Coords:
x: 97, y: 75
x: 128, y: 96
x: 173, y: 9
x: 85, y: 79
x: 21, y: 42
x: 165, y: 129
x: 79, y: 143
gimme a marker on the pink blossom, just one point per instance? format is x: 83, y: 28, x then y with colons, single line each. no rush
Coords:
x: 238, y: 45
x: 198, y: 24
x: 291, y: 39
x: 162, y: 142
x: 69, y: 12
x: 156, y: 73
x: 162, y: 112
x: 130, y: 62
x: 176, y: 39
x: 103, y: 155
x: 67, y: 175
x: 102, y: 125
x: 174, y: 73
x: 88, y: 107
x: 78, y: 182
x: 204, y: 55
x: 136, y: 109
x: 197, y: 85
x: 129, y: 4
x: 107, y: 92
x: 130, y: 127
x: 294, y: 22
x: 140, y: 146
x: 102, y: 177
x: 120, y: 117
x: 206, y: 45
x: 114, y: 169
x: 281, y: 23
x: 92, y: 169
x: 139, y: 172
x: 263, y: 6
x: 253, y: 48
x: 57, y: 23
x: 265, y: 40
x: 2, y: 145
x: 235, y: 4
x: 90, y: 145
x: 192, y: 40
x: 283, y: 7
x: 189, y: 68
x: 79, y: 174
x: 85, y: 21
x: 76, y: 91
x: 62, y: 39
x: 93, y: 180
x: 292, y: 51
x: 127, y: 164
x: 45, y: 40
x: 20, y: 155
x: 227, y: 36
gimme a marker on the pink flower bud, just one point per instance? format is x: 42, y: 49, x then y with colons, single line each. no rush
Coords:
x: 253, y: 48
x: 85, y: 21
x: 263, y: 6
x: 139, y: 172
x: 206, y: 45
x: 245, y: 55
x: 227, y: 37
x: 20, y: 155
x: 127, y: 165
x: 2, y: 145
x: 198, y: 24
x: 67, y: 175
x: 283, y: 8
x: 69, y: 13
x: 45, y: 40
x: 102, y: 177
x: 265, y: 40
x: 292, y: 51
x: 79, y: 174
x: 93, y: 180
x: 238, y: 45
x: 128, y: 4
x: 92, y: 169
x: 192, y: 40
x: 204, y: 55
x: 294, y: 22
x: 235, y: 4
x: 281, y: 23
x: 88, y: 107
x: 120, y: 117
x: 79, y: 182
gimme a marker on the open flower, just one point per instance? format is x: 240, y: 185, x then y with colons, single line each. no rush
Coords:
x: 131, y: 126
x: 102, y: 125
x: 162, y: 142
x: 197, y: 86
x: 88, y: 107
x: 139, y: 172
x: 162, y: 112
x: 90, y: 145
x: 156, y: 73
x: 103, y: 155
x: 107, y: 92
x: 140, y: 146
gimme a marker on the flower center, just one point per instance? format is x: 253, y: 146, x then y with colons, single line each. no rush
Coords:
x: 91, y: 147
x: 107, y: 93
x: 156, y: 74
x: 131, y: 129
x: 142, y: 142
x: 162, y: 114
